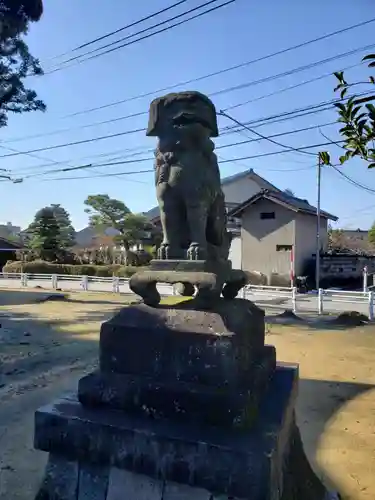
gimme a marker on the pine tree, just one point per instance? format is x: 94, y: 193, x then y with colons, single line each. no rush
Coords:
x: 66, y: 229
x: 16, y: 62
x: 44, y: 234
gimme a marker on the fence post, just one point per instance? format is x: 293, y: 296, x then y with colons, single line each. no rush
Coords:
x: 54, y: 281
x: 24, y: 280
x: 294, y: 299
x: 371, y: 306
x: 320, y: 300
x: 365, y: 278
x: 116, y: 284
x: 85, y: 283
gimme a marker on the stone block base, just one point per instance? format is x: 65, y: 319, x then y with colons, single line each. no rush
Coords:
x: 103, y: 452
x: 188, y: 402
x: 65, y: 480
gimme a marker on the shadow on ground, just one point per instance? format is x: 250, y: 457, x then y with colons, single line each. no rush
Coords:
x: 344, y: 321
x: 39, y: 359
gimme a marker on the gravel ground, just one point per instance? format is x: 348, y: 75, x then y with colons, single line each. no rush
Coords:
x: 46, y: 347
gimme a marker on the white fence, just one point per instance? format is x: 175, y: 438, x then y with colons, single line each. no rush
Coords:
x: 269, y: 296
x: 354, y: 298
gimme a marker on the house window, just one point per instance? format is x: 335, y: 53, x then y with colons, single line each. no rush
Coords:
x: 267, y: 215
x: 283, y: 248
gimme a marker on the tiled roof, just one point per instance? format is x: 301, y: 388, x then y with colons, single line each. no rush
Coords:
x: 263, y: 184
x: 282, y: 198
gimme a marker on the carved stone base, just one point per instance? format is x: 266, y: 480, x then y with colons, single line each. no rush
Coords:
x: 211, y: 279
x: 111, y: 455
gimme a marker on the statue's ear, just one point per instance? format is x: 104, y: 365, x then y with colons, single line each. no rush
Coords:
x: 155, y: 117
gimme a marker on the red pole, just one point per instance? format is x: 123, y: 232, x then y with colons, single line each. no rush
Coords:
x: 292, y: 267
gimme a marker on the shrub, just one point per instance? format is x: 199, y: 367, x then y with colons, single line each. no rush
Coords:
x: 42, y: 267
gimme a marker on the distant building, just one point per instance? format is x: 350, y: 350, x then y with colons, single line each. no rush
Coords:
x: 8, y: 230
x: 355, y: 234
x: 8, y: 250
x: 275, y: 224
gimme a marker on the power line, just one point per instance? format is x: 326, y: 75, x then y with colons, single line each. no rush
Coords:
x: 115, y: 32
x: 128, y: 132
x: 311, y: 109
x: 225, y: 70
x: 139, y: 32
x: 291, y: 87
x: 59, y: 68
x: 223, y: 146
x: 361, y: 210
x: 152, y: 170
x: 291, y: 72
x: 133, y: 115
x: 100, y: 175
x: 264, y: 137
x: 273, y: 153
x: 74, y: 143
x: 353, y: 181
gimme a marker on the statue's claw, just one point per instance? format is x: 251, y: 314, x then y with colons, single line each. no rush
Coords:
x: 196, y: 252
x: 163, y: 251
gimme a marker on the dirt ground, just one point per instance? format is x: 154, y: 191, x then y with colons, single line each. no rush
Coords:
x: 46, y: 347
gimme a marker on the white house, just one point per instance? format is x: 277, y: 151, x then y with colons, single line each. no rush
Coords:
x: 279, y: 232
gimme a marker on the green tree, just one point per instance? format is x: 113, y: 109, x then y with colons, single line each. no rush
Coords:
x: 66, y: 229
x: 106, y: 212
x: 357, y: 115
x: 44, y: 235
x: 371, y: 234
x: 16, y: 62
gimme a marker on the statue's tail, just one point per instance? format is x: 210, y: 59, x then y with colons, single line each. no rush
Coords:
x: 216, y: 231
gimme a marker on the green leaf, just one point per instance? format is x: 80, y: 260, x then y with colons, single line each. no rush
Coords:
x: 362, y: 115
x: 361, y: 124
x: 325, y: 158
x: 369, y: 56
x: 341, y: 106
x: 343, y: 92
x: 355, y: 111
x: 339, y: 75
x: 345, y: 157
x: 372, y: 165
x: 363, y: 100
x: 372, y: 79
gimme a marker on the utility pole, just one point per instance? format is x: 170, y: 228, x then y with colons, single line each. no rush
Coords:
x: 318, y: 246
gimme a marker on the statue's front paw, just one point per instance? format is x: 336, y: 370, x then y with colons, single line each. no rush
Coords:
x: 196, y: 252
x: 163, y: 251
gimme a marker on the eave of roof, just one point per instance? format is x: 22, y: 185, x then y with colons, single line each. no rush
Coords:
x: 280, y: 199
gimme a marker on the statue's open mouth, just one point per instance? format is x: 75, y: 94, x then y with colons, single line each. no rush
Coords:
x: 185, y: 119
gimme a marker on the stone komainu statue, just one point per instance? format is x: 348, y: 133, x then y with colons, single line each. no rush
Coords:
x: 188, y: 187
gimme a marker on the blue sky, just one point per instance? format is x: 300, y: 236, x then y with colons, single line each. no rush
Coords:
x: 240, y: 32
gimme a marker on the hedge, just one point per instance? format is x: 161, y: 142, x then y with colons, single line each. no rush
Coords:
x: 42, y: 267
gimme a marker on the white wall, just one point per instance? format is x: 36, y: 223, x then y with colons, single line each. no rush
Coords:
x: 306, y: 239
x: 260, y: 238
x: 235, y: 252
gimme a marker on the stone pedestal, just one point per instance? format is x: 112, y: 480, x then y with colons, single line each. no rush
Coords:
x: 210, y: 278
x: 186, y: 404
